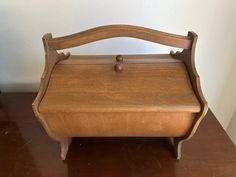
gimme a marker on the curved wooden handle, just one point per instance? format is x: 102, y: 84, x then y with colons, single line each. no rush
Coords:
x: 112, y: 31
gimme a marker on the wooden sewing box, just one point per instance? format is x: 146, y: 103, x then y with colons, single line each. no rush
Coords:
x: 149, y: 95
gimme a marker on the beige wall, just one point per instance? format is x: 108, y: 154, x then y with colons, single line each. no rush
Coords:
x: 22, y: 24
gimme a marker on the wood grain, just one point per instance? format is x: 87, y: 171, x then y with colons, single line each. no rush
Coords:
x: 111, y: 31
x: 26, y: 150
x: 111, y: 59
x: 118, y: 124
x: 188, y: 57
x: 148, y: 83
x: 140, y: 87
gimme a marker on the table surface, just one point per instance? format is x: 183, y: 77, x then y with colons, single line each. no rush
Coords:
x: 26, y: 150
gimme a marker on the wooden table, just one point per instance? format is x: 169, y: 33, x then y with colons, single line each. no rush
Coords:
x: 26, y: 150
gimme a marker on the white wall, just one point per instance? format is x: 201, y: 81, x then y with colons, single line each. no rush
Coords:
x: 22, y: 24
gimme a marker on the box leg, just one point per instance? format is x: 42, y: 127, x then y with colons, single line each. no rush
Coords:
x: 65, y: 144
x: 177, y: 145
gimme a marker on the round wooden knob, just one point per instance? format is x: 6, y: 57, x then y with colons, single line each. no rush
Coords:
x: 119, y: 58
x: 118, y: 67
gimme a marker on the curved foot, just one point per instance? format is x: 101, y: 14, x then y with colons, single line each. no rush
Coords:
x: 65, y: 144
x: 177, y: 144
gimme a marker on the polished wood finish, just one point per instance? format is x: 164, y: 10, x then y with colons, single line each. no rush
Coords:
x: 119, y: 65
x: 111, y: 31
x: 26, y: 150
x: 119, y: 58
x: 100, y: 89
x: 110, y: 59
x: 188, y: 57
x: 113, y: 124
x: 167, y: 89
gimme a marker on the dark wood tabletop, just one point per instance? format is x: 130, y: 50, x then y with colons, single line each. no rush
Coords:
x: 27, y: 151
